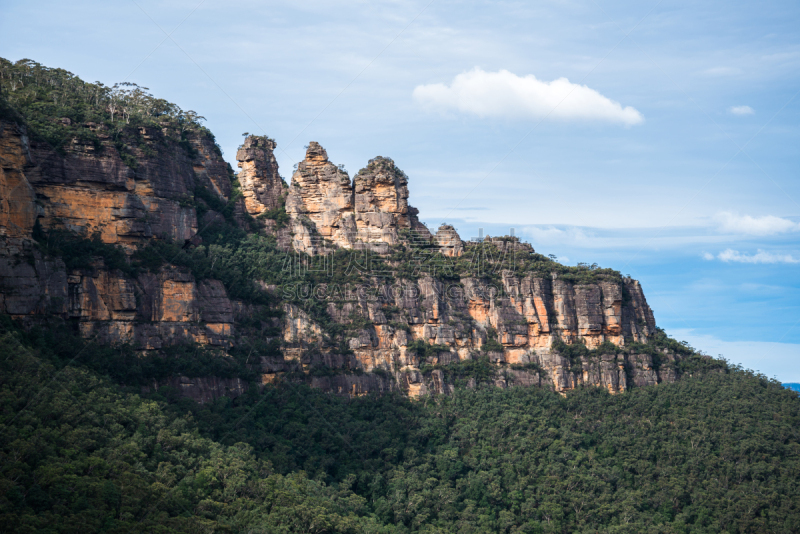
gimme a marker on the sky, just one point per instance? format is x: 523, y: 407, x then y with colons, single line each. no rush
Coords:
x: 658, y: 138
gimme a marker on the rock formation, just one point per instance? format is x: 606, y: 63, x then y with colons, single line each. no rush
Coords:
x: 528, y: 315
x: 18, y: 209
x: 516, y: 319
x: 262, y: 186
x: 327, y: 209
x: 449, y: 241
x: 320, y: 204
x: 150, y: 311
x: 91, y: 190
x: 381, y: 206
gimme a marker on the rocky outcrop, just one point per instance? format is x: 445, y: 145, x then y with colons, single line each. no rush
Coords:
x: 18, y: 209
x: 449, y: 241
x: 262, y: 187
x: 527, y: 315
x: 204, y: 389
x: 381, y: 203
x: 320, y: 204
x: 327, y: 210
x: 31, y: 285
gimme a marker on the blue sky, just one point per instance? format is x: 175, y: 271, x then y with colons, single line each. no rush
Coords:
x: 659, y: 138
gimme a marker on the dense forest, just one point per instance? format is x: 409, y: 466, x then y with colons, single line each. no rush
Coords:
x: 718, y: 451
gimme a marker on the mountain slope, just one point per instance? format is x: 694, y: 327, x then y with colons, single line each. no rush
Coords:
x: 715, y: 452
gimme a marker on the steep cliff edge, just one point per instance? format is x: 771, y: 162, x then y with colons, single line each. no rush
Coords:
x: 143, y: 235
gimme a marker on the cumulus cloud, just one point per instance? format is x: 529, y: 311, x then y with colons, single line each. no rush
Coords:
x: 762, y: 256
x: 503, y: 94
x: 742, y: 110
x: 745, y: 224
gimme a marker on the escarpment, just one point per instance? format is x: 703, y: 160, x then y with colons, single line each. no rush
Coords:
x: 144, y: 236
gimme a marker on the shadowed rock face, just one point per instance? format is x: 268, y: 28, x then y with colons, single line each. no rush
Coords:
x: 151, y: 311
x: 17, y: 198
x: 90, y: 190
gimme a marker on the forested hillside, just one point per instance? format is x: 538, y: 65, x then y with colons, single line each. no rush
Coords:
x: 718, y: 451
x: 186, y: 349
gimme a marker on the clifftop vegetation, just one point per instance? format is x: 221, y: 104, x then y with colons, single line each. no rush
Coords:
x: 56, y: 106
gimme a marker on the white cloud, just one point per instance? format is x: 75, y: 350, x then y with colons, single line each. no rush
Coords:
x: 708, y: 256
x: 742, y: 110
x: 730, y: 255
x: 504, y: 94
x: 745, y: 224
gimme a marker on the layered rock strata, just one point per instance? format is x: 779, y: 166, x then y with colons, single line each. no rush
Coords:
x: 320, y: 204
x: 89, y: 189
x: 527, y: 316
x: 150, y: 311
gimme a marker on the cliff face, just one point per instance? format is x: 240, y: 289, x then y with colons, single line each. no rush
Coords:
x: 18, y: 210
x: 381, y: 207
x: 150, y: 311
x: 89, y: 189
x: 517, y: 319
x: 320, y: 204
x: 527, y: 316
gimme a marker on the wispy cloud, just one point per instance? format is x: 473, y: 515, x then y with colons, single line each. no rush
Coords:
x: 746, y: 224
x: 769, y: 357
x: 503, y: 94
x: 741, y: 110
x: 551, y: 235
x: 722, y: 71
x: 761, y: 256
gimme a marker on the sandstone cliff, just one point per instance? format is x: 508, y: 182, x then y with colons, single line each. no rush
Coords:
x: 89, y: 189
x: 401, y: 329
x: 526, y: 318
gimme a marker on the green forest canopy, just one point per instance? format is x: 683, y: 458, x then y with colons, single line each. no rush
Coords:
x: 716, y: 452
